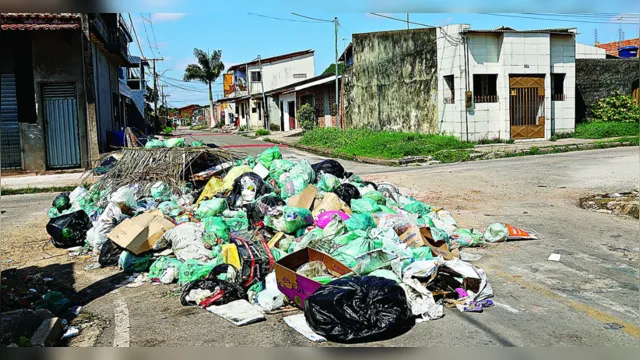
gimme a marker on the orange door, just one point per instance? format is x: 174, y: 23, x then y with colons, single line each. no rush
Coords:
x: 526, y: 106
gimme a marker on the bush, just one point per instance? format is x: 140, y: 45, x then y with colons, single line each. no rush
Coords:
x: 619, y: 107
x: 602, y: 129
x: 307, y: 117
x: 274, y: 127
x: 243, y: 128
x: 167, y: 130
x: 262, y: 132
x: 219, y: 125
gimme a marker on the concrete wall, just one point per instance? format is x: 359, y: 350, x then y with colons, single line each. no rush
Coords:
x: 57, y: 57
x: 392, y: 83
x: 280, y: 73
x: 600, y: 78
x: 589, y: 52
x: 563, y: 50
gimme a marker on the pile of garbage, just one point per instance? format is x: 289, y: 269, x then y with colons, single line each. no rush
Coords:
x: 254, y: 236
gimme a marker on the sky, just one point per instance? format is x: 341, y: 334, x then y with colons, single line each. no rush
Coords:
x: 244, y: 36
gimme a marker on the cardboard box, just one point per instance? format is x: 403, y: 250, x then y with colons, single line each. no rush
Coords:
x: 140, y: 233
x: 439, y: 247
x: 305, y: 198
x: 413, y: 237
x: 297, y: 287
x: 330, y: 201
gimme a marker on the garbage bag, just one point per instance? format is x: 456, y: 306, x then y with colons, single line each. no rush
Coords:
x: 69, y: 230
x: 360, y: 222
x: 292, y: 219
x: 374, y: 260
x: 214, y: 186
x: 237, y: 222
x: 375, y: 196
x: 279, y: 167
x: 358, y: 309
x: 108, y: 220
x: 160, y: 191
x: 293, y: 186
x: 312, y: 236
x: 347, y: 192
x: 422, y: 253
x: 186, y: 242
x: 327, y: 182
x: 418, y: 207
x: 125, y: 195
x: 191, y: 270
x: 197, y: 143
x: 62, y: 202
x: 211, y: 207
x: 265, y: 205
x: 349, y: 236
x: 109, y: 254
x: 211, y: 292
x: 155, y: 144
x: 466, y: 238
x: 348, y: 253
x: 216, y: 230
x: 442, y: 219
x: 249, y: 161
x: 324, y: 218
x: 364, y: 206
x: 266, y: 157
x: 167, y: 207
x: 130, y: 262
x: 174, y: 142
x: 233, y: 174
x: 387, y: 274
x: 161, y: 266
x: 246, y: 188
x: 303, y: 168
x: 328, y: 166
x: 53, y: 212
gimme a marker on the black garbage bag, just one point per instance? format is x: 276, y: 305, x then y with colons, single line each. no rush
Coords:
x: 243, y: 182
x: 263, y: 206
x: 375, y: 186
x: 359, y: 309
x: 329, y: 166
x: 224, y: 291
x: 346, y: 192
x: 62, y: 202
x: 109, y: 254
x: 69, y: 230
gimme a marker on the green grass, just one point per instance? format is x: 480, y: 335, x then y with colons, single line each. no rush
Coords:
x: 634, y: 140
x: 262, y: 132
x: 602, y: 129
x: 35, y: 190
x: 385, y: 144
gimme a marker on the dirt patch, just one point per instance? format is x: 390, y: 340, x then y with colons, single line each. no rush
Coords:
x: 616, y: 203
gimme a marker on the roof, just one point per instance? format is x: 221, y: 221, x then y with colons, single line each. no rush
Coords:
x: 343, y: 56
x: 504, y: 29
x: 273, y: 59
x: 235, y: 98
x: 40, y: 21
x: 41, y: 15
x: 187, y: 107
x: 285, y: 88
x: 40, y: 26
x: 326, y: 80
x: 612, y: 47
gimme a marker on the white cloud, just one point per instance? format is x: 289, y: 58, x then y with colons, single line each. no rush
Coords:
x: 157, y: 17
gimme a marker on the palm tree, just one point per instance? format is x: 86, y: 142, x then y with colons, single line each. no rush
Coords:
x: 205, y: 71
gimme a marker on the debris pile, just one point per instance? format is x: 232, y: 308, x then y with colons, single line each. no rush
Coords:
x: 248, y: 237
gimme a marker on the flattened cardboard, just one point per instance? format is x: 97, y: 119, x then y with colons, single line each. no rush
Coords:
x: 297, y: 287
x: 330, y: 201
x: 142, y: 232
x: 438, y: 247
x: 413, y: 237
x: 304, y: 199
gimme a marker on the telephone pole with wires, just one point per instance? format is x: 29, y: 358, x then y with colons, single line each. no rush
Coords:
x: 335, y: 22
x: 155, y: 84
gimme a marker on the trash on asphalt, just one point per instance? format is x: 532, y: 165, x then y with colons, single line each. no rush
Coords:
x: 246, y: 237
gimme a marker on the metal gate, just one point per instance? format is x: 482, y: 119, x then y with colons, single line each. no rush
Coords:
x: 10, y: 151
x: 61, y: 119
x: 527, y: 106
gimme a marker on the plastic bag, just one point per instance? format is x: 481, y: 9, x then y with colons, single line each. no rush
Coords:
x: 186, y: 242
x: 265, y: 205
x: 174, y: 142
x: 498, y: 232
x: 109, y: 254
x: 214, y: 186
x: 266, y: 157
x: 154, y: 144
x: 233, y: 174
x: 238, y: 222
x: 417, y: 207
x: 126, y: 196
x: 349, y: 236
x: 358, y: 308
x: 130, y: 262
x: 62, y: 202
x: 249, y: 161
x: 347, y: 192
x: 327, y: 182
x: 360, y: 222
x: 443, y: 220
x: 303, y: 168
x: 293, y: 186
x: 69, y: 230
x: 215, y: 230
x: 246, y: 188
x: 328, y: 166
x: 375, y: 196
x: 160, y: 191
x: 373, y: 260
x: 211, y: 207
x: 279, y: 167
x: 348, y: 253
x: 191, y: 270
x: 292, y: 219
x: 167, y: 207
x: 160, y: 266
x: 324, y: 218
x: 466, y: 237
x: 422, y: 253
x: 313, y: 269
x: 364, y: 205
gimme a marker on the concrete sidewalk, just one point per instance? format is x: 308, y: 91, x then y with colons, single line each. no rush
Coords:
x: 43, y: 181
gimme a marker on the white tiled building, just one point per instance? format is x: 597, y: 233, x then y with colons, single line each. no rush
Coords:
x: 505, y: 83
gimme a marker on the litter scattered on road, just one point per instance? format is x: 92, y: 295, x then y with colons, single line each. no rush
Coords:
x: 244, y: 237
x: 554, y: 257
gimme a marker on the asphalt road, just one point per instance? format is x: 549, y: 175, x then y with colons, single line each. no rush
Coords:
x: 588, y: 298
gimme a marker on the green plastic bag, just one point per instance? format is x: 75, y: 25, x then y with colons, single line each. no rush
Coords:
x: 211, y: 207
x: 197, y: 143
x: 54, y: 301
x: 154, y: 144
x: 425, y: 221
x: 266, y: 157
x: 293, y: 186
x: 364, y: 205
x: 279, y: 167
x: 130, y: 262
x: 356, y: 180
x: 312, y: 236
x: 174, y: 142
x: 391, y: 202
x: 467, y: 237
x: 418, y: 207
x: 53, y: 212
x: 292, y: 219
x: 360, y: 222
x: 160, y: 191
x: 376, y: 196
x: 239, y: 222
x: 278, y: 254
x: 328, y: 182
x: 215, y: 228
x: 303, y: 168
x: 386, y: 209
x: 347, y: 254
x: 192, y: 270
x: 249, y: 161
x: 350, y: 236
x: 159, y: 266
x: 422, y: 253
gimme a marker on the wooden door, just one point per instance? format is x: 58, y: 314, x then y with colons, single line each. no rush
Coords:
x: 527, y: 106
x: 292, y: 115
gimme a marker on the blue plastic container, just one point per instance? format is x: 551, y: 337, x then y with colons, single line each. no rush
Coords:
x: 628, y: 52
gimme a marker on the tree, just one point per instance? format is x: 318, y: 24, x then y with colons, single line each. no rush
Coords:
x: 306, y: 117
x: 205, y: 71
x: 332, y: 69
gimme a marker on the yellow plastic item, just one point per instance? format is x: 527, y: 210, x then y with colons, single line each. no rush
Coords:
x: 233, y: 174
x: 274, y: 240
x: 214, y: 186
x: 230, y: 254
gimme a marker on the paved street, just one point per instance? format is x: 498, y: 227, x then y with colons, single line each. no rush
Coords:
x: 588, y: 298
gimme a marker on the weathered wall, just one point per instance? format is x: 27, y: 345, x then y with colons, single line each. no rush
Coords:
x: 393, y: 83
x: 599, y: 78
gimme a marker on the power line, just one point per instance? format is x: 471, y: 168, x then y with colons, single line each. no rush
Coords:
x: 136, y: 35
x: 563, y: 20
x: 609, y: 16
x: 282, y: 19
x: 154, y: 35
x: 401, y: 20
x: 147, y: 35
x: 312, y: 18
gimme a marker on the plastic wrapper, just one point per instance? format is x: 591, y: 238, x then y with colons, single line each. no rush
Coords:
x: 214, y: 186
x: 329, y: 166
x: 266, y: 157
x: 160, y: 191
x: 324, y: 218
x: 174, y: 142
x: 291, y: 220
x: 131, y: 263
x: 360, y: 222
x: 347, y: 192
x: 328, y: 182
x: 216, y: 230
x: 422, y: 253
x: 364, y: 206
x: 443, y: 220
x: 358, y: 309
x: 313, y: 269
x: 69, y: 230
x: 498, y: 232
x: 211, y: 207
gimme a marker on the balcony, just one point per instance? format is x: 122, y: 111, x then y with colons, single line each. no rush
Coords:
x: 100, y: 27
x: 117, y: 44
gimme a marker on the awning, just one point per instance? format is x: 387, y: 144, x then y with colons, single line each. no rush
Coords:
x: 312, y: 84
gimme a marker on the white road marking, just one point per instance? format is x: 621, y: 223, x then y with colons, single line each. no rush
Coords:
x: 121, y: 331
x: 506, y: 307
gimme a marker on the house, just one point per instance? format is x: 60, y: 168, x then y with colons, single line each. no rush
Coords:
x: 186, y: 112
x: 612, y: 47
x: 589, y: 52
x: 246, y: 84
x: 474, y: 84
x: 60, y: 88
x: 133, y: 90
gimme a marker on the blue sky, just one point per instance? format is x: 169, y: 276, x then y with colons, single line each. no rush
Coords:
x: 242, y: 37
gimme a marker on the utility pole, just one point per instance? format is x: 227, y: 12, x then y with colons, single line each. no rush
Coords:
x: 155, y: 84
x: 335, y: 24
x: 265, y: 113
x: 407, y: 21
x: 638, y: 56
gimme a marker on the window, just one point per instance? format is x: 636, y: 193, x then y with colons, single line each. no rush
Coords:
x: 254, y: 110
x: 557, y: 87
x: 450, y: 99
x: 299, y: 76
x: 485, y: 88
x: 255, y: 76
x: 307, y: 99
